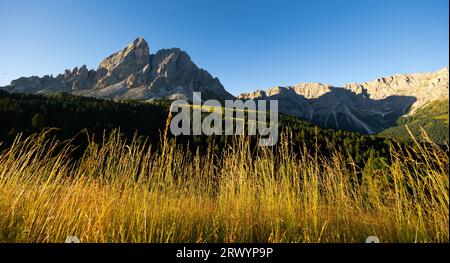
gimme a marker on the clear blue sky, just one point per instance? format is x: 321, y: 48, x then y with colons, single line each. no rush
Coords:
x: 248, y: 45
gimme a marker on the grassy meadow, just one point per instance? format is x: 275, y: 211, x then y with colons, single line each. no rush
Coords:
x: 121, y: 191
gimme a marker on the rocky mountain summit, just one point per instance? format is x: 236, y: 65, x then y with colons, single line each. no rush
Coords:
x: 132, y: 73
x: 369, y: 107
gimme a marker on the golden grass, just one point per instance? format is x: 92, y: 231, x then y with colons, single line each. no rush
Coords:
x: 119, y: 192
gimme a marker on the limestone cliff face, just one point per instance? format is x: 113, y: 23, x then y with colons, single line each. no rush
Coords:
x: 307, y: 90
x: 128, y: 63
x: 132, y: 73
x: 369, y: 107
x: 425, y: 87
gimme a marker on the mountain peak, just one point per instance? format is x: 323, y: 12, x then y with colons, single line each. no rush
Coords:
x: 131, y: 73
x: 139, y: 46
x: 139, y: 41
x: 137, y: 52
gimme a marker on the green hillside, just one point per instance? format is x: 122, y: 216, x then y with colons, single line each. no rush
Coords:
x: 433, y: 118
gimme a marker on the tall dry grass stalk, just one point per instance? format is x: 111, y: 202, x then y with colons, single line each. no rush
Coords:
x: 119, y: 192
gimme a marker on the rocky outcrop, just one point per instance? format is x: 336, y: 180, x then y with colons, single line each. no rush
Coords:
x: 369, y: 107
x: 425, y: 87
x: 132, y: 73
x: 128, y: 63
